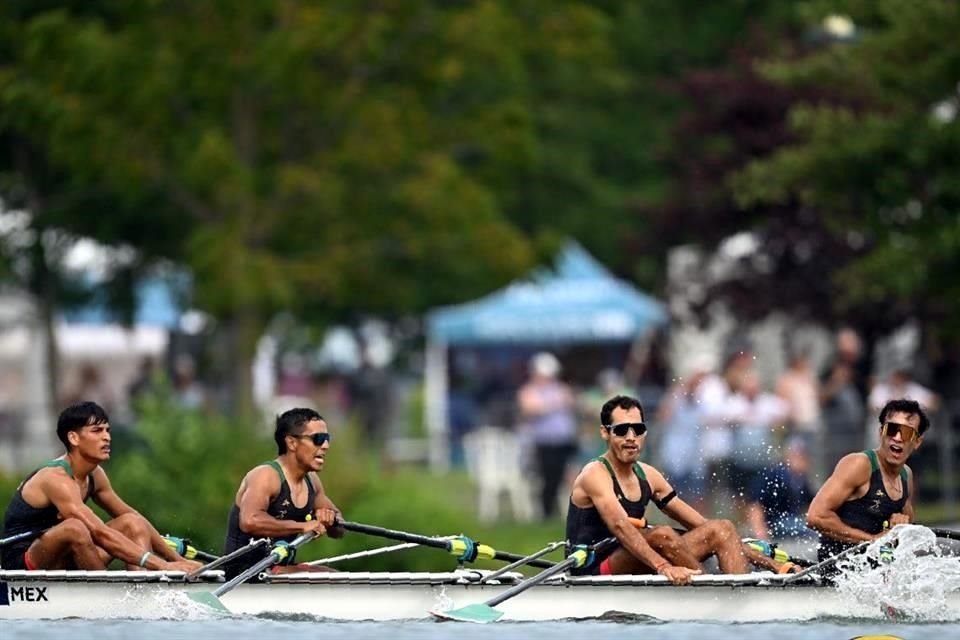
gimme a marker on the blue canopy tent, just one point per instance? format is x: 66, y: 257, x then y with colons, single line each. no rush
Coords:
x: 578, y: 302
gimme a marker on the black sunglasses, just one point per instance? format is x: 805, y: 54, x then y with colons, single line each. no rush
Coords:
x: 620, y: 430
x: 317, y: 438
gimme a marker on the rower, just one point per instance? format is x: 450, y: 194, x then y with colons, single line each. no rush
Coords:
x: 616, y: 487
x: 62, y: 532
x: 872, y: 488
x: 284, y: 498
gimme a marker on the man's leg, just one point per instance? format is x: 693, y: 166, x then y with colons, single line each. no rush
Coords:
x: 65, y: 546
x: 622, y: 561
x: 133, y: 526
x: 669, y: 544
x: 718, y: 537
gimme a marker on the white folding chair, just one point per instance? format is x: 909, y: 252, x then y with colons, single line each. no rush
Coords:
x: 493, y: 458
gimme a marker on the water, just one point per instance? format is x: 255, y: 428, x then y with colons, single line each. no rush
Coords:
x: 260, y: 629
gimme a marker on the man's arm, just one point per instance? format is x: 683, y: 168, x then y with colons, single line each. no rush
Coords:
x: 676, y: 507
x: 113, y: 504
x: 256, y: 491
x: 852, y: 472
x: 324, y: 509
x: 64, y: 494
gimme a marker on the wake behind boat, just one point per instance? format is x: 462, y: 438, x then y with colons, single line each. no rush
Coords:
x: 353, y: 596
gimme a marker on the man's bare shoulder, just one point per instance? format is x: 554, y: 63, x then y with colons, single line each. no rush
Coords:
x: 853, y: 466
x: 593, y: 474
x: 650, y: 470
x: 47, y: 476
x: 263, y: 475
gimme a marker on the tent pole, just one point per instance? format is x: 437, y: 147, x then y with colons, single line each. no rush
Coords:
x: 435, y: 405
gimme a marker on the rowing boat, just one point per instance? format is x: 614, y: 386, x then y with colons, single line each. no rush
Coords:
x: 756, y: 597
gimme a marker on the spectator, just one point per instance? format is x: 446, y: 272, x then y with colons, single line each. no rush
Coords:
x: 779, y: 498
x: 842, y: 395
x: 680, y: 418
x: 800, y: 389
x: 91, y: 387
x: 755, y: 415
x: 547, y: 415
x: 188, y: 392
x: 899, y: 384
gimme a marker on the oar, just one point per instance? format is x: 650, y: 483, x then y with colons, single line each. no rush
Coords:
x: 832, y: 560
x: 484, y: 612
x: 463, y: 547
x: 278, y: 554
x: 949, y: 534
x: 370, y: 552
x: 19, y: 536
x: 222, y: 560
x: 188, y: 551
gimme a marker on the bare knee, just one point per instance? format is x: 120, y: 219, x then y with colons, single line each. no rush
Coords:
x: 132, y: 525
x: 725, y: 532
x: 73, y: 530
x: 663, y: 537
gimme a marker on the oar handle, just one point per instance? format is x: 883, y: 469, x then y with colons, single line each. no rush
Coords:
x: 392, y: 534
x: 19, y: 536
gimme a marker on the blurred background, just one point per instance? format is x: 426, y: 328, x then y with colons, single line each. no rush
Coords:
x: 455, y: 228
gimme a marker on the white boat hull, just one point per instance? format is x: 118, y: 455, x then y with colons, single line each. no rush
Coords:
x: 405, y: 596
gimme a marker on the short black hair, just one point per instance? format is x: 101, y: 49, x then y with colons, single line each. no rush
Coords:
x: 910, y: 407
x: 292, y: 423
x: 77, y: 416
x: 618, y: 402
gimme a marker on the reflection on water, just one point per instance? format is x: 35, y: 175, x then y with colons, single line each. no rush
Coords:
x: 914, y: 580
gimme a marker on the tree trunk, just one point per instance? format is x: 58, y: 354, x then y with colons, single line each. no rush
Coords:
x: 242, y: 328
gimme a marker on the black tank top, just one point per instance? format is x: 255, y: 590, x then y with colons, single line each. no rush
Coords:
x: 869, y: 512
x: 584, y: 524
x: 21, y: 517
x: 281, y: 508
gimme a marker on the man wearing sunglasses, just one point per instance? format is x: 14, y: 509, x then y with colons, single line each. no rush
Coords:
x: 870, y: 490
x: 283, y: 498
x: 610, y: 497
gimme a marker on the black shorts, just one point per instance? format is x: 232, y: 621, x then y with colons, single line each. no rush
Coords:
x: 12, y: 558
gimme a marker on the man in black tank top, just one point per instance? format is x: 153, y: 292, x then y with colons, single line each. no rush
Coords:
x: 609, y: 498
x: 870, y: 490
x: 284, y: 498
x: 50, y: 504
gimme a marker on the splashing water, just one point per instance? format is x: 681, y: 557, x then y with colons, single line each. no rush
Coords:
x: 917, y: 582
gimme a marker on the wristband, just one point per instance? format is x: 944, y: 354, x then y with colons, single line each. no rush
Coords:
x: 660, y: 566
x: 143, y: 559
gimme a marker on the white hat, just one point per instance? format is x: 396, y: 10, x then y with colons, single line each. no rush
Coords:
x: 544, y: 364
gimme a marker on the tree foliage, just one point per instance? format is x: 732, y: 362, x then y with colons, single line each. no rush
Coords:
x: 879, y: 165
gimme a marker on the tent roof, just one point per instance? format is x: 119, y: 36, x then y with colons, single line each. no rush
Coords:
x: 578, y: 302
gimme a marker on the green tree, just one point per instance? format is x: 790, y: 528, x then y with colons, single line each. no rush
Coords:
x: 880, y: 165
